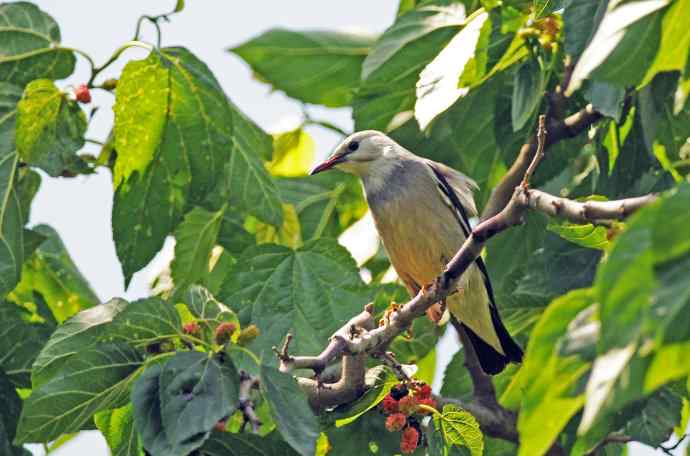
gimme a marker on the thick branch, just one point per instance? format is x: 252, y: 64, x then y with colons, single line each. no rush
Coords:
x: 349, y: 387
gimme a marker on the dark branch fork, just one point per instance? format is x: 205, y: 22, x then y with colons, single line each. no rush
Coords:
x: 511, y: 199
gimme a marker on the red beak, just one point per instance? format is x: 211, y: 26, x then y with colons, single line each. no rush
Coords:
x: 326, y: 165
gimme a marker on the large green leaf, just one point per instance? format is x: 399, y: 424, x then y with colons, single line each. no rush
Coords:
x: 51, y: 272
x: 546, y: 386
x: 528, y: 90
x: 624, y: 44
x: 460, y: 428
x: 76, y: 334
x: 438, y: 87
x: 580, y: 17
x: 50, y: 128
x: 391, y: 69
x: 11, y: 217
x: 655, y: 419
x: 176, y: 405
x: 195, y: 237
x: 320, y: 67
x: 293, y: 154
x: 29, y: 45
x: 92, y: 380
x: 675, y: 41
x: 231, y: 444
x: 117, y: 426
x: 309, y: 292
x: 207, y: 150
x: 294, y: 418
x: 141, y: 112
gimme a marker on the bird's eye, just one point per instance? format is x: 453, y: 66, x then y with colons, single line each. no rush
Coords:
x: 353, y: 146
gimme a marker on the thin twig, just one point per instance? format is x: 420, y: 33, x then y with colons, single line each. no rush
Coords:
x: 538, y: 155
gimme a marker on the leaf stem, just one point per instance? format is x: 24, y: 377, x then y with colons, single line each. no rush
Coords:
x: 430, y: 409
x: 95, y: 71
x: 81, y: 53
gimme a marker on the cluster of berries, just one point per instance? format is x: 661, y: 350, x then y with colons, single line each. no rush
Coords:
x: 222, y: 335
x: 404, y: 405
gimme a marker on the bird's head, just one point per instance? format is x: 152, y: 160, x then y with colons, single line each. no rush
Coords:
x: 359, y: 153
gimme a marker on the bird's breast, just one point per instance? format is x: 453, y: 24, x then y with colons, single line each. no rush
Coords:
x: 420, y: 233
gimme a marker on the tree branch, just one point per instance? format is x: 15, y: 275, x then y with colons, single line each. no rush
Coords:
x: 246, y: 405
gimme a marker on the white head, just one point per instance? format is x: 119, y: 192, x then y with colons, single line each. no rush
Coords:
x: 362, y: 154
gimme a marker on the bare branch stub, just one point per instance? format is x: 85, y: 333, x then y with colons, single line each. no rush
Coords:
x: 538, y: 155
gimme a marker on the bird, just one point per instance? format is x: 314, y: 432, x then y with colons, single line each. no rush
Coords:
x: 421, y: 210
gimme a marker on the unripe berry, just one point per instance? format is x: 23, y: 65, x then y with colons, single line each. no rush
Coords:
x: 247, y: 335
x: 220, y: 426
x: 192, y: 328
x: 224, y: 332
x: 82, y: 94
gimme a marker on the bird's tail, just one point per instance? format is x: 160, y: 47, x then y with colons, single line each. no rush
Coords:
x: 491, y: 361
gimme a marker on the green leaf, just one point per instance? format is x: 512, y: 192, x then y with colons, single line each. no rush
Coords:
x: 208, y: 151
x: 20, y: 342
x: 547, y: 384
x: 76, y: 334
x: 675, y: 41
x: 366, y: 436
x: 578, y: 24
x: 230, y: 444
x: 50, y: 128
x: 117, y: 426
x: 179, y: 6
x: 438, y: 88
x: 378, y: 382
x: 528, y: 90
x: 623, y: 46
x: 141, y: 112
x: 293, y: 154
x: 320, y: 67
x: 233, y: 236
x: 606, y: 98
x: 29, y: 45
x: 326, y: 204
x: 245, y: 182
x: 460, y: 428
x: 177, y: 404
x: 590, y: 236
x: 556, y: 267
x: 28, y: 183
x: 654, y: 423
x: 294, y: 418
x: 309, y: 292
x: 12, y: 406
x: 389, y: 72
x: 195, y: 237
x: 92, y: 380
x: 51, y: 272
x: 11, y: 218
x: 205, y: 307
x: 144, y: 321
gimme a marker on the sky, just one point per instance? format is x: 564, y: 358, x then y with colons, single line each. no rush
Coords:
x: 79, y: 208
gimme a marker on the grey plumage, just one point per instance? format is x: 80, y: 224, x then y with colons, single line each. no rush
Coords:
x: 421, y: 210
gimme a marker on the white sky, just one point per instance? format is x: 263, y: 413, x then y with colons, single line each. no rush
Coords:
x: 79, y: 209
